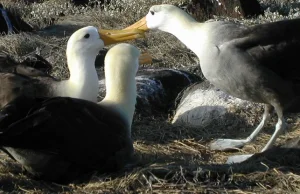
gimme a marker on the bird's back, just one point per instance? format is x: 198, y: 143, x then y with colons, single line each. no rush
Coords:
x: 272, y: 45
x: 28, y: 78
x: 14, y: 85
x: 69, y: 135
x: 263, y: 56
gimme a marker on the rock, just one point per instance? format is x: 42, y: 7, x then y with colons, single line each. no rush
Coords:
x: 80, y: 2
x: 202, y: 105
x: 60, y: 30
x: 250, y: 8
x: 157, y: 89
x: 99, y: 62
x: 66, y: 26
x: 205, y: 9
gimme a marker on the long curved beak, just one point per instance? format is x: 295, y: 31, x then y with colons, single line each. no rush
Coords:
x: 145, y: 58
x: 141, y: 25
x: 116, y: 36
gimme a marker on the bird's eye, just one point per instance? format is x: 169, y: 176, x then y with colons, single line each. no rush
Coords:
x: 152, y: 12
x: 87, y: 36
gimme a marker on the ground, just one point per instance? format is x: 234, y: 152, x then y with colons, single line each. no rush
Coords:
x: 172, y: 159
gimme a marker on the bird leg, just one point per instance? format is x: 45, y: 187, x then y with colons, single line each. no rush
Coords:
x: 280, y: 126
x: 229, y: 144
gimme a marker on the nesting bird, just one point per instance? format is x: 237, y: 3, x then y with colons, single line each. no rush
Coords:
x: 61, y: 138
x: 256, y: 63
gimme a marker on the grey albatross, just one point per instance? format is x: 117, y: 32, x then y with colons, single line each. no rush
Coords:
x: 61, y: 138
x: 82, y: 49
x: 256, y: 63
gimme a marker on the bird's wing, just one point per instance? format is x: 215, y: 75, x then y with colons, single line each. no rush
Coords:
x: 274, y: 46
x: 32, y: 65
x: 245, y: 76
x: 79, y: 131
x: 13, y: 85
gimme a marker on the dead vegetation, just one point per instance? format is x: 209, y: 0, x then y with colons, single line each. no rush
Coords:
x: 171, y: 159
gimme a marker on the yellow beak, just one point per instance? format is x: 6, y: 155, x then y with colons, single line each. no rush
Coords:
x: 145, y: 58
x: 141, y: 25
x: 116, y: 36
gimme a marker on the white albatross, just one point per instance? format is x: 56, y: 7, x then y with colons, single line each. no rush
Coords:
x: 82, y: 49
x: 256, y: 63
x: 61, y: 138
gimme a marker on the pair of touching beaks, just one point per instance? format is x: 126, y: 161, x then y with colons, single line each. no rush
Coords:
x: 132, y: 32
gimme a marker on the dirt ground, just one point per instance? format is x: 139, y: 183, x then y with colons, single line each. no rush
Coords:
x: 171, y: 159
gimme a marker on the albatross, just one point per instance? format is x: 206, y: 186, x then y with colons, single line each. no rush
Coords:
x: 256, y: 63
x: 82, y: 49
x: 60, y: 138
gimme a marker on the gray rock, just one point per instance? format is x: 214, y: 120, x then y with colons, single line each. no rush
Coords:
x: 157, y: 89
x: 202, y: 105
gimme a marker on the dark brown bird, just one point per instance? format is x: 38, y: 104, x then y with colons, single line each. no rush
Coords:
x: 61, y: 138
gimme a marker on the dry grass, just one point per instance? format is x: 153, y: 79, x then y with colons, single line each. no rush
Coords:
x: 172, y: 159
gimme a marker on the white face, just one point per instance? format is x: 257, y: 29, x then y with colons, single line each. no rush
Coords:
x: 154, y: 18
x: 124, y: 57
x: 159, y: 17
x: 85, y: 40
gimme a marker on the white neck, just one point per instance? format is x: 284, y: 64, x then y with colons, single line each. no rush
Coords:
x: 188, y: 31
x: 83, y: 81
x: 121, y: 95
